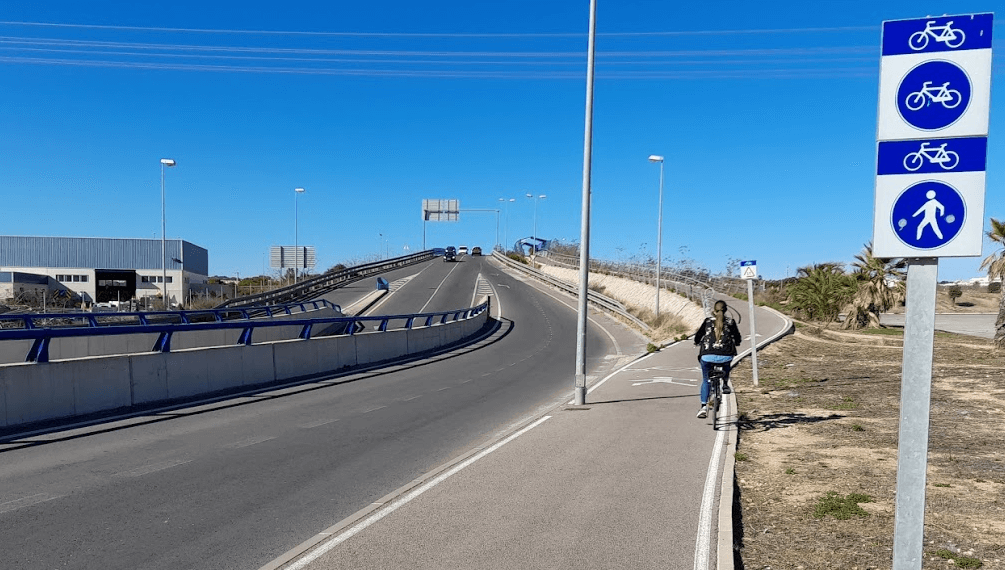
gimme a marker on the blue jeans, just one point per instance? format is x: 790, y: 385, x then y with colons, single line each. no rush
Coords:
x: 706, y: 362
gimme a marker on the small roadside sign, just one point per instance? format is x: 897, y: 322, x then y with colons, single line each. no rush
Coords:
x: 748, y: 269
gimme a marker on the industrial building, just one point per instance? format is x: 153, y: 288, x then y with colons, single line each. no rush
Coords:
x: 101, y: 270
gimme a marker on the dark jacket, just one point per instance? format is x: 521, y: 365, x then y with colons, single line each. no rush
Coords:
x: 705, y: 337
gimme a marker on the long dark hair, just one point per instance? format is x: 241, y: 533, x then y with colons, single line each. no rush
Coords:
x: 719, y: 311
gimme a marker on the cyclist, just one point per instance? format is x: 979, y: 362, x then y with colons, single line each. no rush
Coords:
x: 717, y: 339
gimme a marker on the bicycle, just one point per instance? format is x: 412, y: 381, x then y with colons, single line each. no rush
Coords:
x: 953, y: 38
x: 947, y: 159
x: 716, y: 377
x: 949, y: 98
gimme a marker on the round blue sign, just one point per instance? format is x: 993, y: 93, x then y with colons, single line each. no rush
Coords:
x: 934, y: 95
x: 928, y: 215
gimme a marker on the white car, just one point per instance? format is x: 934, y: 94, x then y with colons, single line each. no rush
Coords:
x: 463, y: 250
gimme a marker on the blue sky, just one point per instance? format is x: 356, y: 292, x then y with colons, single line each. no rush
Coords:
x: 766, y: 113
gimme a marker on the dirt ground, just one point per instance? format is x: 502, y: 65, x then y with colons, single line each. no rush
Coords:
x: 973, y: 300
x: 825, y: 420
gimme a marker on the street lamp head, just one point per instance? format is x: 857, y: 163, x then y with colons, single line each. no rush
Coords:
x: 167, y: 162
x: 512, y: 199
x: 542, y: 196
x: 655, y: 158
x: 299, y: 190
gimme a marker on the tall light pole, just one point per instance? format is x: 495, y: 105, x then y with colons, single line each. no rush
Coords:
x: 535, y: 198
x: 506, y: 230
x: 296, y: 232
x: 659, y: 233
x: 165, y: 163
x: 584, y: 227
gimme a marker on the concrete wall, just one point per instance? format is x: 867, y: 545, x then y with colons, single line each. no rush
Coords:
x: 72, y: 387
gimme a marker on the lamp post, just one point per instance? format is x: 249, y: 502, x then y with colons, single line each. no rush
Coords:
x: 296, y: 232
x: 506, y: 230
x: 165, y: 163
x: 535, y: 198
x: 659, y: 233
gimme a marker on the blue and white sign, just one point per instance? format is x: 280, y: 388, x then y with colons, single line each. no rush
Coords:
x: 931, y: 156
x: 935, y: 77
x: 748, y: 269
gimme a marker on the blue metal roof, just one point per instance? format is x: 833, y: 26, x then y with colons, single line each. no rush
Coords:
x: 101, y: 253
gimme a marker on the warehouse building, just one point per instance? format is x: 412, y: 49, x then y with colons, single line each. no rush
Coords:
x: 101, y: 270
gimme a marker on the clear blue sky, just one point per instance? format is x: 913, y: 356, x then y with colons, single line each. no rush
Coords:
x: 768, y: 131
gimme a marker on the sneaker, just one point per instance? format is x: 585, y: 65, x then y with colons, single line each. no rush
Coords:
x: 703, y: 411
x: 726, y: 389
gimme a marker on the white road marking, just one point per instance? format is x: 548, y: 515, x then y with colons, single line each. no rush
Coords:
x: 373, y: 409
x: 152, y: 468
x: 667, y: 380
x: 435, y: 291
x: 702, y: 546
x: 443, y: 388
x: 410, y: 399
x: 249, y: 442
x: 614, y: 341
x: 389, y: 293
x: 26, y: 502
x: 395, y: 505
x: 318, y: 423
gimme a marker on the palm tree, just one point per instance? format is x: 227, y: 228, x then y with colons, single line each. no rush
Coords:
x: 880, y: 285
x: 821, y: 290
x: 995, y: 264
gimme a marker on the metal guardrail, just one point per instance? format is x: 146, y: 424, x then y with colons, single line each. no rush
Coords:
x: 325, y: 282
x: 597, y: 299
x: 41, y: 336
x: 684, y: 283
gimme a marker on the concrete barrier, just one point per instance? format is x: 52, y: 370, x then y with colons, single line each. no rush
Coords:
x: 63, y: 388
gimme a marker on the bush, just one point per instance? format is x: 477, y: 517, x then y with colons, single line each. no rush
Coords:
x: 954, y: 293
x: 995, y: 287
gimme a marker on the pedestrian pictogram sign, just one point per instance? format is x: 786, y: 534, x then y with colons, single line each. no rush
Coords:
x: 748, y: 269
x: 934, y: 97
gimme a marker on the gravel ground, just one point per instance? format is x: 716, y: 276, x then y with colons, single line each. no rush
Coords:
x: 825, y: 420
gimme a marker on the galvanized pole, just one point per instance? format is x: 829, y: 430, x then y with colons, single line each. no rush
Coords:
x: 659, y: 243
x: 753, y: 329
x: 584, y: 234
x: 915, y: 401
x: 164, y: 279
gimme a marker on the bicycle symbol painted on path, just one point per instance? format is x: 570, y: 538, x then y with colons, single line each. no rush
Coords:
x: 949, y: 98
x: 946, y: 34
x: 947, y: 159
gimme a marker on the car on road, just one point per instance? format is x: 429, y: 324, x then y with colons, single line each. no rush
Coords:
x: 463, y: 250
x: 450, y: 254
x: 476, y: 250
x: 438, y: 251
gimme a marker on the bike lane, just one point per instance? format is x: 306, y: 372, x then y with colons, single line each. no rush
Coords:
x: 631, y: 479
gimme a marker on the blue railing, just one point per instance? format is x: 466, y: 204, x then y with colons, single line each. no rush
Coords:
x: 41, y: 336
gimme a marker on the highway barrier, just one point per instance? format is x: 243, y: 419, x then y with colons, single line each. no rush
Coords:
x: 316, y: 286
x: 45, y: 389
x: 604, y: 302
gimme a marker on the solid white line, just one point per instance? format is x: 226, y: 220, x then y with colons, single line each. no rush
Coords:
x: 614, y: 341
x: 702, y: 546
x: 362, y: 525
x: 435, y: 291
x: 613, y: 374
x: 26, y: 502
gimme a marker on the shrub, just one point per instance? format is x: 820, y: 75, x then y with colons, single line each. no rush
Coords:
x: 841, y: 508
x: 954, y: 293
x: 995, y: 287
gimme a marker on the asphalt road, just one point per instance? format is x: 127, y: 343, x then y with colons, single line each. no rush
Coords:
x: 981, y: 325
x: 234, y: 484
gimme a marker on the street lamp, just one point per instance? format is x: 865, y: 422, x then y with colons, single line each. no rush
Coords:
x: 659, y: 233
x: 296, y: 232
x: 165, y: 163
x: 535, y: 198
x: 506, y: 230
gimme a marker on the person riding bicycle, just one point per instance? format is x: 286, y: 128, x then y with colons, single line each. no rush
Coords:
x: 717, y: 339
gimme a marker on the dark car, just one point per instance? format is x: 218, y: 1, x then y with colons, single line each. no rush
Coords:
x: 450, y: 254
x: 438, y: 251
x: 476, y: 250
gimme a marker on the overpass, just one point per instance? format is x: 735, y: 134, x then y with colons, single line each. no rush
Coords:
x: 236, y: 481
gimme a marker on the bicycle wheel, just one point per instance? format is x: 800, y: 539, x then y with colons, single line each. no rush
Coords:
x: 950, y: 164
x: 958, y: 38
x: 713, y: 402
x: 913, y: 161
x: 918, y: 41
x: 954, y: 99
x: 915, y: 100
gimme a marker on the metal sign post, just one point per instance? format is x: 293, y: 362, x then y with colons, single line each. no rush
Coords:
x: 748, y: 270
x: 439, y: 211
x: 931, y: 158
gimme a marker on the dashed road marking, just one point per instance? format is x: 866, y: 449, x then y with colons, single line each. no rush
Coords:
x: 152, y: 468
x: 318, y: 423
x: 249, y: 442
x: 26, y: 502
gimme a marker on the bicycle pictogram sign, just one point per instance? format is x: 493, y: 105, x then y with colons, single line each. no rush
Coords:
x: 934, y: 95
x: 945, y: 34
x: 947, y: 159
